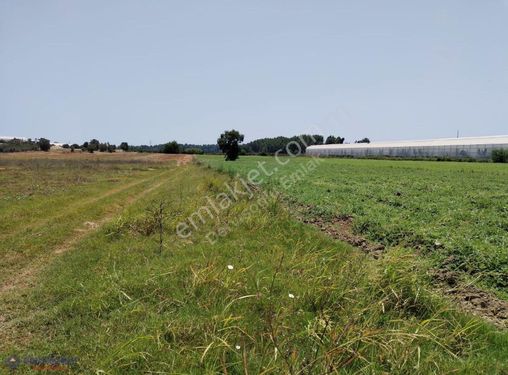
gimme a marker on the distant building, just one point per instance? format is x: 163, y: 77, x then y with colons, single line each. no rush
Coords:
x: 7, y: 138
x: 454, y: 148
x: 57, y: 145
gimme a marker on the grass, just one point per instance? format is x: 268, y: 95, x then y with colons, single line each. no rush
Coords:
x: 453, y: 213
x: 294, y: 301
x: 46, y: 201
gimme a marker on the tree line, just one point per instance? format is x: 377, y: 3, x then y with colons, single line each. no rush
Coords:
x: 262, y: 146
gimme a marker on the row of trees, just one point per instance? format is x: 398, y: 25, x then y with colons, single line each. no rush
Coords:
x: 95, y: 145
x: 232, y: 139
x: 18, y: 145
x: 184, y: 148
x: 272, y: 145
x: 44, y: 144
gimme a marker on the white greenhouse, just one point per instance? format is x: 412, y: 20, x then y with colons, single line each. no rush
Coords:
x: 454, y: 148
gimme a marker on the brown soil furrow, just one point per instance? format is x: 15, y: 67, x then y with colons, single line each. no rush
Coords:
x: 469, y: 298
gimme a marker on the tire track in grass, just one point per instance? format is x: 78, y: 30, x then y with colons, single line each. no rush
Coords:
x: 79, y: 204
x: 25, y: 277
x: 34, y: 244
x: 16, y: 288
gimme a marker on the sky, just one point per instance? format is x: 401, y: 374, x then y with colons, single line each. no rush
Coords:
x: 153, y: 71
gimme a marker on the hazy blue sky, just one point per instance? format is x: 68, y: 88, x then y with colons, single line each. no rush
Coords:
x: 145, y: 71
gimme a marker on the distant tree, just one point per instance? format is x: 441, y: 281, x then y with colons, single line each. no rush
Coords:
x: 103, y: 147
x: 171, y: 148
x: 330, y: 140
x: 124, y: 146
x: 363, y: 140
x: 66, y: 146
x: 111, y: 148
x: 93, y: 145
x: 74, y: 145
x: 84, y: 147
x: 44, y: 144
x: 229, y: 144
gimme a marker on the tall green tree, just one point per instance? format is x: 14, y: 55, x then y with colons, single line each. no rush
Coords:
x: 171, y: 148
x: 44, y: 144
x: 229, y: 142
x: 93, y: 145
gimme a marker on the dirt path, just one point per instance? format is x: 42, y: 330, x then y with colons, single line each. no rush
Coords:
x: 117, y: 156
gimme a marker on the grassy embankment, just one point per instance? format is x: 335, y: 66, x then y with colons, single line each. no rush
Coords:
x: 294, y: 300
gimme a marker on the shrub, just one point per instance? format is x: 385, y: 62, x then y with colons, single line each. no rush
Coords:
x: 500, y: 156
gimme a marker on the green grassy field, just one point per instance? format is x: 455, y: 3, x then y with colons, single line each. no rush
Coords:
x: 272, y: 295
x: 453, y: 213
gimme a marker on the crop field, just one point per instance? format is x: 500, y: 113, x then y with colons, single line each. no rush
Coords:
x: 453, y: 214
x: 94, y: 268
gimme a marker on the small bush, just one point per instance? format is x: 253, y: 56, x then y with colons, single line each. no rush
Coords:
x: 500, y: 156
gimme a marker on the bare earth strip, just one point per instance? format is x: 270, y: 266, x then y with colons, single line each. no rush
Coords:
x: 117, y: 156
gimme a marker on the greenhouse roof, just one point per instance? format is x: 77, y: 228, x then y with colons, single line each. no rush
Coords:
x: 466, y: 141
